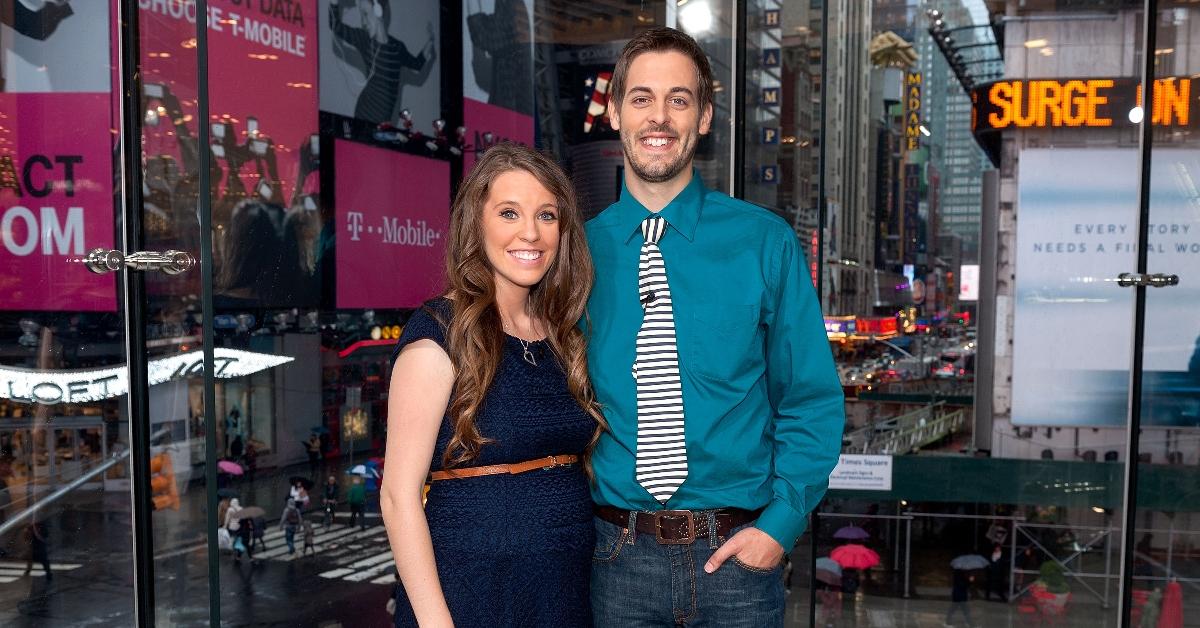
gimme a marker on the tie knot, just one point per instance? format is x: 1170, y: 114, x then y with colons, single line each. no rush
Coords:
x: 653, y: 229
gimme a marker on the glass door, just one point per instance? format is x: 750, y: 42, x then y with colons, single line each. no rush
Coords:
x: 100, y: 306
x: 1162, y: 570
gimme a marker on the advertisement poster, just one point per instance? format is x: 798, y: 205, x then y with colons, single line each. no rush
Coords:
x: 497, y: 74
x: 380, y: 57
x: 263, y: 106
x: 392, y: 216
x: 1072, y: 330
x: 56, y: 155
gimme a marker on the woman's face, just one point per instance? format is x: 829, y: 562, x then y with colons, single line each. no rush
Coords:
x: 520, y: 229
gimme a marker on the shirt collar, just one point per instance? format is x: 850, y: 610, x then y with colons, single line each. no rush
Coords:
x: 682, y: 213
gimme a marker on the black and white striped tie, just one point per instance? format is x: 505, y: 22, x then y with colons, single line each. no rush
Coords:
x: 661, y: 454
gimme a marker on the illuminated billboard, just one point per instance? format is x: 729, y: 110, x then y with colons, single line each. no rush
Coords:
x: 1072, y: 325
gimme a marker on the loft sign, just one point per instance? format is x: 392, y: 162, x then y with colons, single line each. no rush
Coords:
x: 89, y: 385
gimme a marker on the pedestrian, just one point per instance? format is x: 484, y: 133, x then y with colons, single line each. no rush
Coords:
x: 260, y: 529
x: 309, y: 538
x: 233, y: 523
x: 247, y: 529
x: 289, y: 521
x: 313, y: 446
x: 725, y: 336
x: 1026, y: 561
x: 222, y: 507
x: 251, y: 456
x: 491, y: 384
x: 356, y: 497
x: 39, y: 549
x: 299, y: 494
x: 829, y: 603
x: 960, y: 594
x: 329, y: 501
x: 994, y: 580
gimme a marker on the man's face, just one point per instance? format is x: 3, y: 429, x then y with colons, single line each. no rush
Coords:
x: 372, y: 24
x: 660, y: 117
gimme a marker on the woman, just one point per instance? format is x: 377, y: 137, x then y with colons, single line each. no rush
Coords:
x: 494, y: 373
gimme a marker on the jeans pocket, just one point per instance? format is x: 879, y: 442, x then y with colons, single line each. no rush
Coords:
x: 610, y: 539
x: 755, y: 570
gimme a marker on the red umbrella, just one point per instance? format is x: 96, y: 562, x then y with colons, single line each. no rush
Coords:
x: 1172, y: 607
x: 855, y: 556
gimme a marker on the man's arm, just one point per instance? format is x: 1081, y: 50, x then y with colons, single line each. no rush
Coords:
x: 806, y: 395
x: 808, y: 414
x: 356, y: 37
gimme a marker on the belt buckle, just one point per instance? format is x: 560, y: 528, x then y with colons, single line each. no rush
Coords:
x: 553, y: 463
x: 659, y: 515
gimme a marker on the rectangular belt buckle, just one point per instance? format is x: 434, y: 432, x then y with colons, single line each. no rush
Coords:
x: 659, y: 515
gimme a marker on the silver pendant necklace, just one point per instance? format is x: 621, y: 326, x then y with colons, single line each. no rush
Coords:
x: 525, y: 352
x: 528, y: 355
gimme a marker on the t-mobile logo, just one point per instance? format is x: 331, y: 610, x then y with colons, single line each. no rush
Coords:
x: 392, y: 231
x: 355, y: 225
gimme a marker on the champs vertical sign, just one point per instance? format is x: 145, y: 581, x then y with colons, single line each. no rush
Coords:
x: 912, y: 111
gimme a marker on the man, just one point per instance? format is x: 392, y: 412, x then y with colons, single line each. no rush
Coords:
x: 708, y: 353
x: 383, y: 57
x: 357, y: 498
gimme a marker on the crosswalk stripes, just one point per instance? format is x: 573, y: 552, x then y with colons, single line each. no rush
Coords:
x: 12, y: 570
x: 347, y: 553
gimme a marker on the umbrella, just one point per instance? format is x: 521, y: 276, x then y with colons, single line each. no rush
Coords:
x: 828, y: 577
x: 361, y: 469
x: 226, y: 492
x: 251, y: 512
x: 969, y: 561
x: 851, y: 533
x: 830, y: 565
x: 855, y: 556
x: 230, y: 467
x: 305, y: 482
x: 1171, y: 615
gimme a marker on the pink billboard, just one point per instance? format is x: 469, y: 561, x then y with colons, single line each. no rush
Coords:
x: 56, y: 156
x: 503, y: 125
x: 56, y: 200
x: 392, y: 217
x: 262, y: 90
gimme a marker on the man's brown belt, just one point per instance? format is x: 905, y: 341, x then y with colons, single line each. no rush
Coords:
x: 679, y: 527
x: 549, y: 462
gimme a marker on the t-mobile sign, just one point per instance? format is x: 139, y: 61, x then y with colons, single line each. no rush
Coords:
x: 392, y: 215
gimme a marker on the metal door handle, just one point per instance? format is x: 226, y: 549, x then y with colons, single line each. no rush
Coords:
x: 1153, y: 280
x: 102, y: 261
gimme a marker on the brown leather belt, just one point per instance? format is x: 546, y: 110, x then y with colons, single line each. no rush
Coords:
x: 549, y: 462
x: 679, y: 527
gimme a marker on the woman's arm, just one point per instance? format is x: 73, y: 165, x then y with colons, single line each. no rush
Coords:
x: 421, y: 382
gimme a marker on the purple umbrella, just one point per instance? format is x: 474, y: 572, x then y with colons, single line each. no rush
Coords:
x: 852, y: 533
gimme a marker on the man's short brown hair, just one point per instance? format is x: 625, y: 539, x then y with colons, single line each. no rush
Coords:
x: 664, y: 39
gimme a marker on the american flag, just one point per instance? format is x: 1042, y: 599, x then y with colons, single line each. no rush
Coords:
x: 597, y: 101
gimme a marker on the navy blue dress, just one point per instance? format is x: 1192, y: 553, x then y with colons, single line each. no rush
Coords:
x: 512, y: 550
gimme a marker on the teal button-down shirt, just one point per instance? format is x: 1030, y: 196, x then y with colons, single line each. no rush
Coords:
x: 763, y: 405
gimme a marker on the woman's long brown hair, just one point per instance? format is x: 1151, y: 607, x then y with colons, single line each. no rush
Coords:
x: 475, y: 332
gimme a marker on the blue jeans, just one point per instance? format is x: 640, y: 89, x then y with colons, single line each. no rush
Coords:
x: 289, y: 533
x: 638, y: 582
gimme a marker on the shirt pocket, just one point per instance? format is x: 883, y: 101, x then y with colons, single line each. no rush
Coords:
x: 721, y: 340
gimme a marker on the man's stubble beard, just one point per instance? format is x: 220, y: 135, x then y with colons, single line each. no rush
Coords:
x: 660, y: 174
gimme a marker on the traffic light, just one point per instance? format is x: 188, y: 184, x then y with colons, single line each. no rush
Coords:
x: 163, y: 491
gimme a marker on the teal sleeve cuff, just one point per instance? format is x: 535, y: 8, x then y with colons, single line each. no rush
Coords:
x: 782, y: 523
